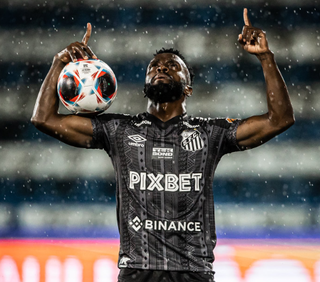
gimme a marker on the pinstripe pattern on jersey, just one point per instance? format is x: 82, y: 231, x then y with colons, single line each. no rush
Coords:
x: 145, y: 208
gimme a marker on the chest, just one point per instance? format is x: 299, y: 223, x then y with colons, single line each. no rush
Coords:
x: 164, y: 144
x: 175, y: 149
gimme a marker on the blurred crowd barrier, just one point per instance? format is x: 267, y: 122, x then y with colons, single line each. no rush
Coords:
x: 96, y: 261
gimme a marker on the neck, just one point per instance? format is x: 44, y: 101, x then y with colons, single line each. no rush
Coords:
x: 167, y: 111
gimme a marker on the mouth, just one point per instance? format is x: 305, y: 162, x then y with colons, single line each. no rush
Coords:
x: 160, y: 77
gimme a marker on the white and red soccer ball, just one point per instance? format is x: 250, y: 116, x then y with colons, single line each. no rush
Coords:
x: 87, y: 86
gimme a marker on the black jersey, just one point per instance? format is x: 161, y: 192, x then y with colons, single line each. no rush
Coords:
x: 164, y: 173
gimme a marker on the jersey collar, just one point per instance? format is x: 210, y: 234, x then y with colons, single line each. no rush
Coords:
x: 163, y: 125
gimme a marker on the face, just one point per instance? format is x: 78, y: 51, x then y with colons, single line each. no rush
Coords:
x: 167, y: 78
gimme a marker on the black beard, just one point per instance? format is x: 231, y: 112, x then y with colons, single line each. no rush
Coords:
x: 163, y: 92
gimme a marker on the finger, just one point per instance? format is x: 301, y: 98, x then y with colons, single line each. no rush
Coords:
x: 72, y: 56
x: 244, y: 33
x: 247, y: 33
x: 78, y: 49
x: 256, y: 33
x: 246, y: 18
x: 87, y: 35
x: 90, y: 53
x: 240, y: 40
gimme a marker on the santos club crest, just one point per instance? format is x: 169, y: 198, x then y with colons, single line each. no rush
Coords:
x: 191, y: 140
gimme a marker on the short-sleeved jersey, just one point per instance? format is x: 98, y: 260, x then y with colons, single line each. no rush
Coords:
x: 164, y: 173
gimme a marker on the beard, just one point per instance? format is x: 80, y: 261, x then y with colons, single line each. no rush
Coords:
x: 164, y: 92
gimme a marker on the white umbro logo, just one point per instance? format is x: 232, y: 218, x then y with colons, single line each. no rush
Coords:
x: 137, y: 140
x: 136, y: 223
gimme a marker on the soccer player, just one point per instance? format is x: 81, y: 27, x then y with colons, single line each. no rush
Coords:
x: 165, y: 160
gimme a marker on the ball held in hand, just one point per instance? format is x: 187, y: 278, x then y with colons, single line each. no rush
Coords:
x: 87, y: 86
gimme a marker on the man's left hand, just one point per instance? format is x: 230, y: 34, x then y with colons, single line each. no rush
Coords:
x: 253, y: 39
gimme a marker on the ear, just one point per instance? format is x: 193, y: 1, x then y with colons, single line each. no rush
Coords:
x: 188, y: 90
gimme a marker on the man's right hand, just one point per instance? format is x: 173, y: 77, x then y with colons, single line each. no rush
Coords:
x: 77, y: 49
x: 72, y: 129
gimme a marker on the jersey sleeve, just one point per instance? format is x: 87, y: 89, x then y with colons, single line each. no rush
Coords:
x: 230, y: 127
x: 104, y: 130
x: 100, y: 138
x: 231, y: 136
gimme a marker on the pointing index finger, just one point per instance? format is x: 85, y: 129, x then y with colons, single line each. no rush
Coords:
x: 246, y: 18
x: 87, y: 35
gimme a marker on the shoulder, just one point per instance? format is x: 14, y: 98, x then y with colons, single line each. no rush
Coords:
x: 112, y: 116
x: 225, y: 123
x: 121, y: 119
x: 124, y: 117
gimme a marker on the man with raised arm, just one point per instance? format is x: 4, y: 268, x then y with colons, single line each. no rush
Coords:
x: 165, y: 160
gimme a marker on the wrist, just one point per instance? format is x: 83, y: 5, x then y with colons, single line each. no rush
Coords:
x: 57, y: 64
x: 265, y: 56
x: 57, y: 60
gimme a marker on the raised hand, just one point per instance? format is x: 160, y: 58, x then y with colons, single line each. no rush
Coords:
x: 78, y: 49
x: 252, y: 39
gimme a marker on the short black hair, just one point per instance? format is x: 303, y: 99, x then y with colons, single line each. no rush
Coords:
x: 177, y: 52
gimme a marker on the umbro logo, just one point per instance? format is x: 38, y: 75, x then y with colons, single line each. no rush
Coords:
x: 137, y: 140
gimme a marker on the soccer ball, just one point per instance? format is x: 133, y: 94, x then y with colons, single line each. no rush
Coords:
x: 87, y: 86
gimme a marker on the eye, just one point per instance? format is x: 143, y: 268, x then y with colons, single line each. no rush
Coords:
x: 173, y: 64
x: 152, y: 65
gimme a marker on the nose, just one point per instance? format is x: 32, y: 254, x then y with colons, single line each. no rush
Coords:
x: 162, y: 68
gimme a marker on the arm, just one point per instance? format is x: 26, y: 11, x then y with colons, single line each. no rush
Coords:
x: 71, y: 129
x: 257, y: 130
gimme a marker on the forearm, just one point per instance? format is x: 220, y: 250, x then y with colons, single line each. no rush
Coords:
x: 47, y: 102
x: 280, y: 112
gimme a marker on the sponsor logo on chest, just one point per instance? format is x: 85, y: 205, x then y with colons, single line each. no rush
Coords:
x: 165, y: 225
x: 162, y: 153
x: 168, y: 182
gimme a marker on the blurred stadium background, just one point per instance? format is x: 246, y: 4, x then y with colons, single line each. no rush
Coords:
x: 269, y: 195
